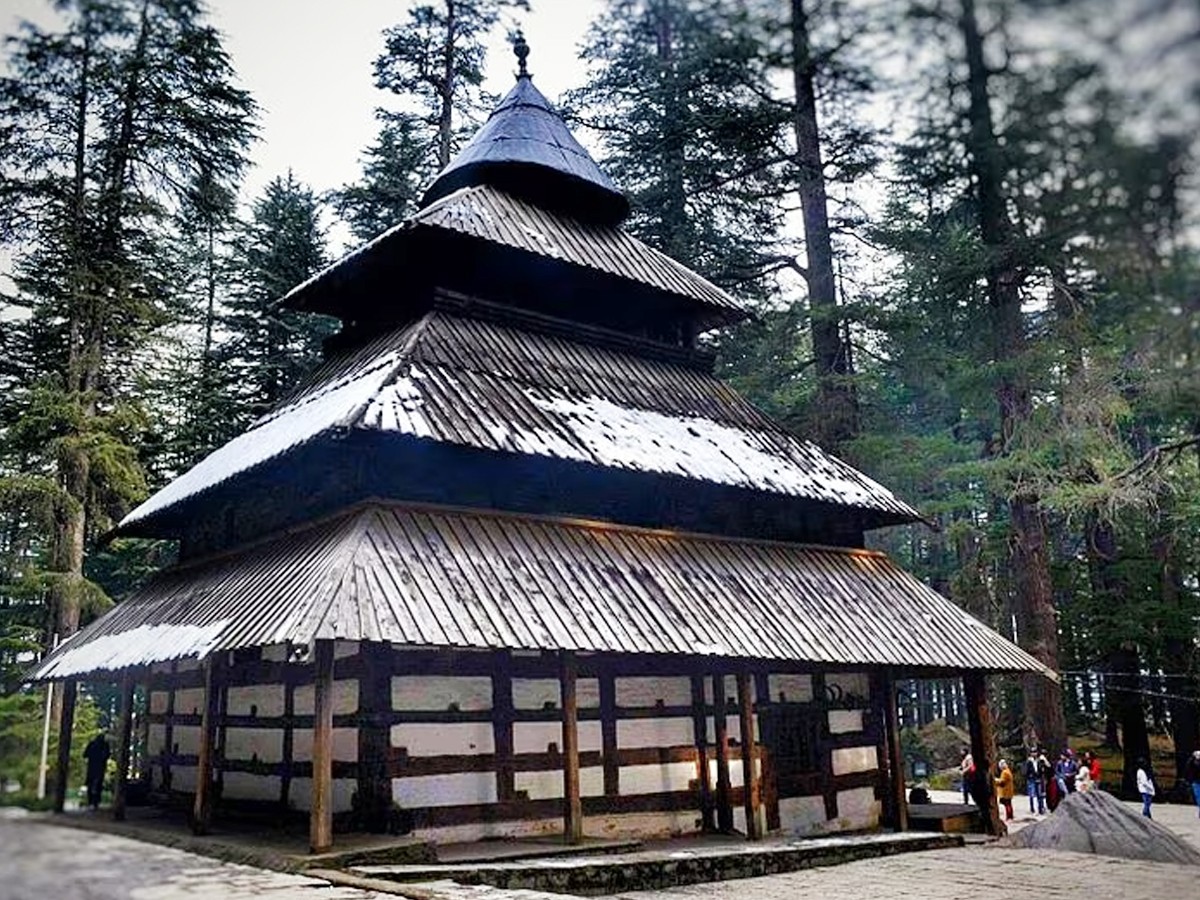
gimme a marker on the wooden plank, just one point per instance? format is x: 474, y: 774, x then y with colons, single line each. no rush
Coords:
x: 203, y: 801
x: 502, y: 725
x: 896, y: 803
x: 62, y: 769
x: 572, y: 808
x: 768, y: 780
x: 168, y: 727
x: 751, y: 787
x: 983, y: 751
x: 821, y: 700
x: 373, y: 798
x: 608, y: 734
x: 320, y: 827
x: 700, y: 733
x: 289, y: 740
x: 124, y: 745
x: 721, y: 734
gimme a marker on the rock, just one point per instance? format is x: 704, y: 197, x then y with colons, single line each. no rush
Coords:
x: 1097, y: 822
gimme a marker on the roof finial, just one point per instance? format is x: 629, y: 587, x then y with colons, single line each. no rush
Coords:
x: 521, y: 49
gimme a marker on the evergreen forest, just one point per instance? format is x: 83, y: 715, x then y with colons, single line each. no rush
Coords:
x: 968, y: 229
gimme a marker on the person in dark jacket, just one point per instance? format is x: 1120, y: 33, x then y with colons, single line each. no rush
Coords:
x: 96, y: 753
x: 1035, y: 780
x: 1192, y: 773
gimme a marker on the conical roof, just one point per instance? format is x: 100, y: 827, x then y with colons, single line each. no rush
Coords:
x: 526, y: 149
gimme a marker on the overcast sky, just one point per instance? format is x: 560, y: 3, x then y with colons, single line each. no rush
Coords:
x: 308, y: 64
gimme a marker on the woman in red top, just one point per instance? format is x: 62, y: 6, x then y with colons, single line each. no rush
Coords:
x: 1093, y: 764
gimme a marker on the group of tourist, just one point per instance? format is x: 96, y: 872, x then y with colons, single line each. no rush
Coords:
x: 1048, y: 784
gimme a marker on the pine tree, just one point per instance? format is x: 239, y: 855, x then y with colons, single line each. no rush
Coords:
x: 270, y: 348
x: 108, y: 121
x: 433, y: 64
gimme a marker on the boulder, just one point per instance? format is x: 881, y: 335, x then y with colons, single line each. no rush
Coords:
x: 1097, y: 822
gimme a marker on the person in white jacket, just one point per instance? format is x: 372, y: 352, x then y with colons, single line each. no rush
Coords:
x: 1145, y: 786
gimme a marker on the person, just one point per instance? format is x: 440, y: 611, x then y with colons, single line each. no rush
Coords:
x: 1060, y: 775
x: 967, y: 768
x: 96, y: 753
x: 1191, y: 772
x: 1083, y: 781
x: 1035, y: 781
x: 1004, y: 788
x: 1145, y: 786
x: 1094, y: 770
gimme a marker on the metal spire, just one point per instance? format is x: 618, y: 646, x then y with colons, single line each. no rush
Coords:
x: 521, y: 49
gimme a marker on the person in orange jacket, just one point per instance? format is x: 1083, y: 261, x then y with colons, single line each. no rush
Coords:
x: 1004, y: 788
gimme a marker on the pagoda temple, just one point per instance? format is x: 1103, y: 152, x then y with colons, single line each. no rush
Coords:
x: 513, y: 561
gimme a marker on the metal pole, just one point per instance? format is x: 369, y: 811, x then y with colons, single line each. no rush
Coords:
x: 45, y: 762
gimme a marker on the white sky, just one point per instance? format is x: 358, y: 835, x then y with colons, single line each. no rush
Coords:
x: 308, y: 64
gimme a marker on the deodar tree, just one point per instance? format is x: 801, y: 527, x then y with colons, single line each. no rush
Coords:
x: 109, y: 120
x: 433, y: 66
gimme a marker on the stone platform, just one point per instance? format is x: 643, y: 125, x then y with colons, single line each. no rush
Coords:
x: 673, y: 863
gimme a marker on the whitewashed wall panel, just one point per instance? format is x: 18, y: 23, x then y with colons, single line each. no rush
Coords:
x: 854, y: 759
x: 790, y: 688
x: 345, y: 698
x: 189, y: 701
x: 858, y: 808
x: 801, y: 815
x: 248, y: 786
x: 845, y: 721
x: 263, y: 744
x: 300, y: 794
x: 853, y: 684
x: 667, y: 732
x: 187, y: 739
x: 544, y: 693
x: 645, y: 693
x: 256, y: 699
x: 345, y: 744
x: 657, y: 778
x: 436, y: 739
x: 158, y: 702
x: 536, y: 737
x: 459, y: 789
x: 548, y: 785
x: 438, y: 692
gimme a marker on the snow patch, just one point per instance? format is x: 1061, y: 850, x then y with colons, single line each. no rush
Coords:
x: 139, y: 646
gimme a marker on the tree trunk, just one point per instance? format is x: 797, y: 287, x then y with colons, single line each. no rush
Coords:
x: 446, y: 113
x: 1033, y: 600
x: 1179, y: 656
x: 836, y: 421
x: 677, y: 236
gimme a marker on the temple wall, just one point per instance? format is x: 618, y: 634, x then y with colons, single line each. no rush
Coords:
x: 474, y: 741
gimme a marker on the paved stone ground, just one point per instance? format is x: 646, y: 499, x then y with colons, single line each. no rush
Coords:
x: 43, y: 862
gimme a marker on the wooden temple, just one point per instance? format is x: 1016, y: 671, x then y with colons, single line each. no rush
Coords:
x: 512, y: 561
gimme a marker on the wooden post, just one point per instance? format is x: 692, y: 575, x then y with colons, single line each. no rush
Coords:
x: 983, y: 744
x: 610, y: 756
x: 721, y: 735
x: 700, y: 738
x: 374, y: 788
x: 320, y: 823
x: 572, y: 806
x: 897, y: 805
x: 503, y: 714
x: 168, y: 752
x: 203, y: 802
x: 750, y: 781
x: 62, y: 773
x: 124, y: 739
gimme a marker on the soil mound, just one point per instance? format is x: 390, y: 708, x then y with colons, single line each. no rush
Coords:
x: 1097, y: 822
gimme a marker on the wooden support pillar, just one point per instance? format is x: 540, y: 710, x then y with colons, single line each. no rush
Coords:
x: 572, y: 805
x: 168, y: 751
x: 751, y: 789
x: 503, y: 714
x: 289, y: 733
x: 62, y: 770
x: 896, y: 804
x: 373, y: 797
x: 983, y: 751
x: 700, y: 738
x: 203, y: 802
x: 320, y: 823
x: 608, y: 734
x: 124, y: 742
x: 721, y: 735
